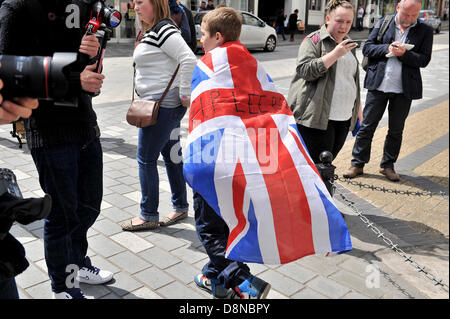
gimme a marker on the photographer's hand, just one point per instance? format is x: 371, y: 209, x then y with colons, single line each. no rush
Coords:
x: 10, y: 112
x: 89, y: 45
x: 91, y: 81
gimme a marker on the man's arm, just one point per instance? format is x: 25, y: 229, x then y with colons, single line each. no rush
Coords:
x: 420, y: 58
x: 372, y: 48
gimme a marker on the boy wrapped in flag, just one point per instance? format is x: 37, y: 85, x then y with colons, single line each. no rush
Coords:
x: 257, y: 195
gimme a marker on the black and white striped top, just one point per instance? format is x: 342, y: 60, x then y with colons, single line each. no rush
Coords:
x: 160, y: 51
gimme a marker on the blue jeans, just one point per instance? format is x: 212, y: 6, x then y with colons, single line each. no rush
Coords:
x: 376, y: 103
x: 73, y: 176
x: 8, y: 289
x: 164, y: 138
x: 213, y: 233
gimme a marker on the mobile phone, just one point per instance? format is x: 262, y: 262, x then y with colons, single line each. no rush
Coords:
x: 358, y: 42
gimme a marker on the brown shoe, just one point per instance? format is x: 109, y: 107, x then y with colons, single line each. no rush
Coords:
x: 353, y: 171
x: 390, y: 174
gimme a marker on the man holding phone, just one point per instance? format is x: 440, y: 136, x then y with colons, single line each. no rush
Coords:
x: 392, y: 78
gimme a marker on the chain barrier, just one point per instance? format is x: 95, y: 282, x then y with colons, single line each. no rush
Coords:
x: 390, y: 243
x: 390, y: 190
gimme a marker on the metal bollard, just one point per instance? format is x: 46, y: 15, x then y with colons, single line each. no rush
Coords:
x: 326, y: 170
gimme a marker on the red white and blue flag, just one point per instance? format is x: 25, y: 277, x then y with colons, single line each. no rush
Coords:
x: 246, y: 158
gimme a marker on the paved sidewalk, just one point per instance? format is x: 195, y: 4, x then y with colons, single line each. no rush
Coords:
x: 162, y: 263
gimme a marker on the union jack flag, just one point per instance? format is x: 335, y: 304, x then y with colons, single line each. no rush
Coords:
x: 246, y: 158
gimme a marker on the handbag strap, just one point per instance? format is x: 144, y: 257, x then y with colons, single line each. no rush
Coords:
x: 165, y: 91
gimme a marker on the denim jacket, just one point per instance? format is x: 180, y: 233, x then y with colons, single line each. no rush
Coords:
x: 311, y: 90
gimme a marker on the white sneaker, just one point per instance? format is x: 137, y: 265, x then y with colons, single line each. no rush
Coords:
x: 74, y: 293
x: 93, y: 275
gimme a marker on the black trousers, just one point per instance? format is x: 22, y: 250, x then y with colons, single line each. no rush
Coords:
x: 332, y: 139
x: 213, y: 233
x: 376, y: 103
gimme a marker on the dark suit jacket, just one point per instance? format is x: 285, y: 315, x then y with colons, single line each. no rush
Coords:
x: 421, y: 35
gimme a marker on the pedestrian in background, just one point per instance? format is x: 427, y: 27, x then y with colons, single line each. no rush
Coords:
x: 292, y: 24
x: 202, y: 7
x: 359, y: 17
x: 210, y: 5
x: 157, y: 57
x: 280, y: 24
x: 324, y: 94
x: 393, y: 80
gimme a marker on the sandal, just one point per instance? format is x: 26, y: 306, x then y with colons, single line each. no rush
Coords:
x: 128, y: 226
x: 167, y: 221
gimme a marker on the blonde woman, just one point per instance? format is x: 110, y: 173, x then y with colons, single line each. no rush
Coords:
x: 156, y: 57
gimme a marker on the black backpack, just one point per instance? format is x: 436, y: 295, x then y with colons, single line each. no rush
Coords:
x: 381, y: 32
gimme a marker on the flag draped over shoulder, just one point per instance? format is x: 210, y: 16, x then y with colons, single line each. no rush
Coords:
x: 246, y: 158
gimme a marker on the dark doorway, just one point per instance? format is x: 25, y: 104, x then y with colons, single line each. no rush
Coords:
x: 268, y: 10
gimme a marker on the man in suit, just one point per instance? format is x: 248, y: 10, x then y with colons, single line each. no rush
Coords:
x: 395, y: 80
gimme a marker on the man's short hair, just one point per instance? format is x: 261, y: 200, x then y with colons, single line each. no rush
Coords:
x: 226, y: 21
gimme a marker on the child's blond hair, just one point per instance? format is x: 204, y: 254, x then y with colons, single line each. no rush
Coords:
x: 226, y: 21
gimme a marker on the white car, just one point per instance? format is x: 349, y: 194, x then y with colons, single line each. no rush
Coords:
x: 255, y: 33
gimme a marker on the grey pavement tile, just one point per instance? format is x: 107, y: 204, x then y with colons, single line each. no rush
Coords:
x: 38, y: 233
x: 178, y: 291
x: 142, y: 293
x: 108, y: 182
x: 91, y: 232
x: 21, y: 234
x: 34, y: 250
x: 121, y: 189
x: 188, y: 235
x: 115, y: 174
x: 328, y: 287
x: 107, y: 227
x: 256, y: 269
x: 357, y: 283
x: 30, y: 277
x: 116, y: 214
x: 41, y: 291
x: 308, y: 293
x: 159, y: 257
x: 94, y: 291
x: 284, y: 285
x: 154, y: 278
x: 297, y: 272
x: 22, y: 294
x: 127, y: 180
x: 165, y: 241
x: 356, y: 266
x: 354, y: 295
x: 131, y: 241
x: 118, y: 200
x: 273, y: 294
x: 322, y: 265
x: 129, y: 262
x: 188, y: 254
x: 183, y: 272
x: 104, y: 246
x: 122, y: 284
x: 110, y: 296
x: 42, y: 265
